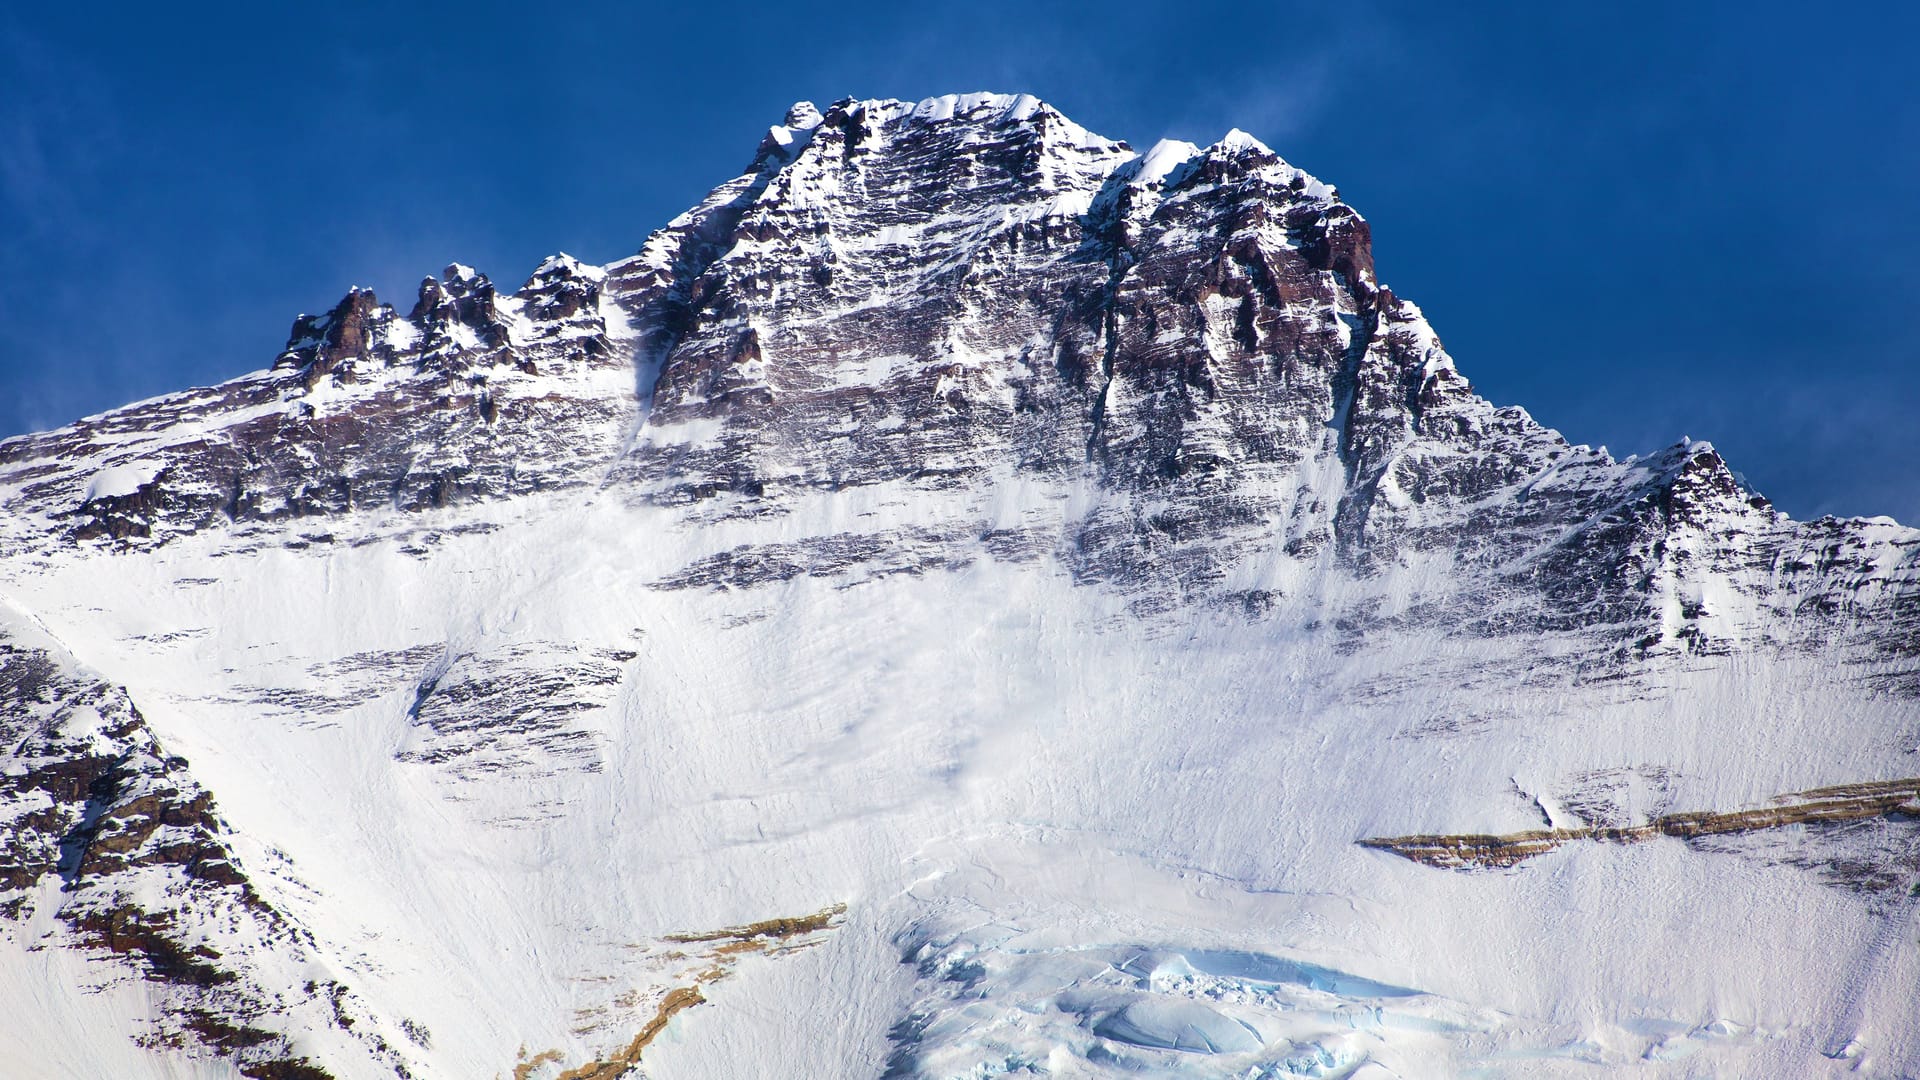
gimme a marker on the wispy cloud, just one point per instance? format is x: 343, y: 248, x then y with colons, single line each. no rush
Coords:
x: 57, y: 128
x: 57, y: 135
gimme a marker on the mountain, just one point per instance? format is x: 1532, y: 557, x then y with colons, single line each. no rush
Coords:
x: 969, y: 598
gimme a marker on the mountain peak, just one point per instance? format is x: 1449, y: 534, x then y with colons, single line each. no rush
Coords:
x: 802, y: 116
x: 977, y: 533
x: 1238, y: 141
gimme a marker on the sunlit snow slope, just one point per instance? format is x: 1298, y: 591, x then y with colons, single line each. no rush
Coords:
x: 951, y: 605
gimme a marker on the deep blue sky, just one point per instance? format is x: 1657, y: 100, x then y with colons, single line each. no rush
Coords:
x: 1639, y: 221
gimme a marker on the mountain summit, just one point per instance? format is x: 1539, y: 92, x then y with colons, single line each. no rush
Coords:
x: 989, y: 598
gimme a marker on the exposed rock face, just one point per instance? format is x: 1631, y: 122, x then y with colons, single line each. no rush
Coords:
x: 1898, y: 799
x: 908, y: 341
x: 519, y: 709
x: 953, y: 293
x: 363, y: 410
x: 111, y: 846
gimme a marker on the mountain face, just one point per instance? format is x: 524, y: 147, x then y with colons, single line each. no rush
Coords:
x: 967, y: 599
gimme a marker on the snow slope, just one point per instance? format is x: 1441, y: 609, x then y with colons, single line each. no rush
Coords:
x: 1059, y: 556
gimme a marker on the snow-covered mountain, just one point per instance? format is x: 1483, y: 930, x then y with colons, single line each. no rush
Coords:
x: 969, y: 598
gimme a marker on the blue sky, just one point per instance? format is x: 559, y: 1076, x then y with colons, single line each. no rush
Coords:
x: 1637, y: 220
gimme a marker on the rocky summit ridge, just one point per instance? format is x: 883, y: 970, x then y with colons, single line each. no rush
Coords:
x: 948, y: 290
x: 911, y: 341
